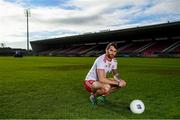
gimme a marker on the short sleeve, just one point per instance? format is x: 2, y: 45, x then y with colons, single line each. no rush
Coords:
x: 100, y: 64
x: 114, y: 64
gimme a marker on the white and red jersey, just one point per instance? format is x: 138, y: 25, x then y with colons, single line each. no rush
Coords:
x: 101, y: 63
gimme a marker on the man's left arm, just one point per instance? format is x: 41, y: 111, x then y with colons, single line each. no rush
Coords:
x: 118, y: 78
x: 116, y: 74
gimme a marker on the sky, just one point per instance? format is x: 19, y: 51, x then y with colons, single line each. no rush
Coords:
x: 59, y: 18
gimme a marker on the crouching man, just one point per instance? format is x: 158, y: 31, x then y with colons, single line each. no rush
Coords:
x: 96, y: 81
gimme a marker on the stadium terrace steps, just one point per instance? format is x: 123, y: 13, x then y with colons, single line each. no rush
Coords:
x: 74, y: 50
x: 124, y: 47
x: 177, y: 49
x: 145, y: 47
x: 172, y: 47
x: 133, y: 47
x: 138, y: 48
x: 158, y: 47
x: 89, y: 48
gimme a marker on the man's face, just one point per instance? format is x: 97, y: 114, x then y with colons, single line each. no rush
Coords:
x: 111, y: 52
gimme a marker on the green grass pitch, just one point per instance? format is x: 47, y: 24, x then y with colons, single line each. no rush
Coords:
x: 51, y: 87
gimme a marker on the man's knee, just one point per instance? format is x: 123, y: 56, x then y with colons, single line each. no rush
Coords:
x: 106, y: 88
x: 123, y: 83
x: 96, y: 85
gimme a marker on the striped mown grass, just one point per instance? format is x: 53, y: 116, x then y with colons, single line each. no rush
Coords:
x: 51, y: 87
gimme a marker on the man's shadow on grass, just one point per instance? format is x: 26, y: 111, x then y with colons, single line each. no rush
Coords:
x: 118, y: 107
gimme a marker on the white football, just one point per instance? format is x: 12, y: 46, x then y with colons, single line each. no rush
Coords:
x: 137, y: 106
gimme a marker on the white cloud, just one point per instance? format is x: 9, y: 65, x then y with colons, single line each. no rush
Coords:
x: 12, y: 22
x: 164, y: 7
x: 84, y: 16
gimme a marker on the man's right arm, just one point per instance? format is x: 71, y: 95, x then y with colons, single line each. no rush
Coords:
x: 103, y: 79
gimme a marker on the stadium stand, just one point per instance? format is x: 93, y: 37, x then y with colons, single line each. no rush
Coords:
x: 11, y: 52
x: 153, y: 40
x: 157, y: 47
x: 177, y: 49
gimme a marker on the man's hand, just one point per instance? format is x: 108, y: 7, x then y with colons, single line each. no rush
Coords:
x: 121, y: 83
